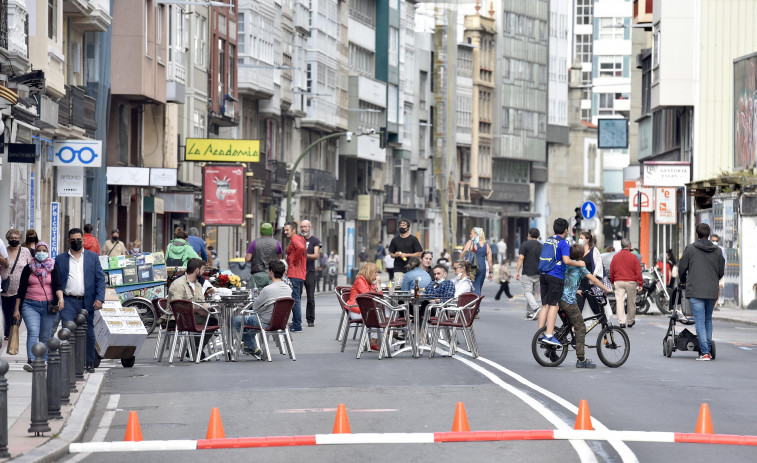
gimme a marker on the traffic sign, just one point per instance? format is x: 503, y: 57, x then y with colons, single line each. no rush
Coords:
x: 589, y: 224
x: 589, y: 210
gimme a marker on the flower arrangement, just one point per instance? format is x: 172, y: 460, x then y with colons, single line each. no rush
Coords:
x: 235, y: 281
x: 224, y: 280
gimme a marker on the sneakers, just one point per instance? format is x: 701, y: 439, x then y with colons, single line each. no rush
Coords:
x: 257, y: 353
x: 541, y: 338
x: 586, y: 363
x: 311, y: 324
x: 528, y: 316
x: 551, y: 340
x: 705, y: 357
x: 535, y: 315
x: 28, y: 367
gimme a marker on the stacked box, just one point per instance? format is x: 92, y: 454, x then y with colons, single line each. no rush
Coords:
x: 119, y: 332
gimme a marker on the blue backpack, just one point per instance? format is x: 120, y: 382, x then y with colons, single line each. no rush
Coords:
x: 548, y: 257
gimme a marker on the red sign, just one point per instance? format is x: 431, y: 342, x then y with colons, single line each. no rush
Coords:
x: 223, y: 195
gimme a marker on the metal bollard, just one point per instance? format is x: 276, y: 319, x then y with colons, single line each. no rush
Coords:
x: 71, y: 327
x: 81, y: 345
x: 53, y: 379
x: 39, y: 392
x: 65, y: 357
x: 4, y: 453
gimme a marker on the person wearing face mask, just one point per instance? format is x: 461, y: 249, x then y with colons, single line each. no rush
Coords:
x: 593, y: 261
x: 440, y: 289
x: 462, y: 281
x: 90, y: 242
x: 83, y: 284
x: 10, y: 269
x: 39, y: 286
x: 313, y: 249
x: 31, y: 240
x: 114, y: 247
x: 403, y: 247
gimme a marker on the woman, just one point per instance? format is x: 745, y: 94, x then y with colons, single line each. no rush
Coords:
x: 415, y: 273
x: 462, y: 281
x: 31, y: 240
x: 478, y: 246
x: 39, y: 286
x: 367, y: 281
x: 178, y: 251
x: 427, y: 258
x: 593, y: 261
x: 389, y: 265
x: 18, y: 258
x: 670, y: 273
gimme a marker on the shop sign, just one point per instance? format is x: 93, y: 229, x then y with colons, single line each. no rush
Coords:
x: 223, y: 195
x: 82, y: 153
x: 70, y: 181
x: 665, y: 206
x: 220, y: 150
x: 22, y: 152
x: 666, y: 174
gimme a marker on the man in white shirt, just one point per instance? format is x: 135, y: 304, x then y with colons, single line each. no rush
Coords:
x: 501, y: 250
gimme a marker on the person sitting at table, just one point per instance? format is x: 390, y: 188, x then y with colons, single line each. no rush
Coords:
x: 415, y: 273
x: 438, y: 291
x: 272, y: 291
x: 189, y: 287
x: 462, y: 281
x: 367, y: 281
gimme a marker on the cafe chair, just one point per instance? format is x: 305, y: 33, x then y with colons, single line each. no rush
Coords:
x: 346, y: 321
x: 373, y: 309
x: 278, y: 329
x: 184, y: 313
x: 161, y: 307
x: 457, y: 318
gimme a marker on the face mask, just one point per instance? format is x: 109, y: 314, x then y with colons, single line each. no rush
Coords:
x: 440, y: 279
x: 13, y: 243
x: 403, y: 230
x: 136, y: 249
x: 41, y: 256
x: 304, y: 233
x: 33, y: 239
x: 76, y: 245
x: 114, y: 238
x: 581, y: 241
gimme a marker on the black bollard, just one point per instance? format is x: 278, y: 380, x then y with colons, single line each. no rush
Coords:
x: 71, y: 327
x: 65, y: 357
x: 81, y: 345
x: 53, y: 379
x: 39, y: 392
x: 4, y: 453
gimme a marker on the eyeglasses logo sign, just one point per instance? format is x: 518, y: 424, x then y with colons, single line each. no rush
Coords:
x: 84, y: 153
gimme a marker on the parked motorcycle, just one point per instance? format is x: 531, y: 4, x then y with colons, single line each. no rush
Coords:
x: 653, y: 288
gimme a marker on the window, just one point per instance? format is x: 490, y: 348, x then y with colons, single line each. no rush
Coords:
x: 147, y: 28
x: 200, y: 41
x: 510, y: 171
x: 606, y: 103
x: 361, y: 60
x: 231, y: 79
x: 610, y: 66
x: 584, y: 11
x: 221, y: 69
x: 92, y: 57
x: 159, y: 35
x: 394, y: 44
x: 506, y: 68
x: 363, y: 11
x: 608, y: 29
x: 584, y: 46
x: 198, y: 125
x: 52, y: 19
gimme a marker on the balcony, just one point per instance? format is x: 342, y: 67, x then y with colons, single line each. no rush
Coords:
x: 463, y: 192
x: 318, y: 183
x: 14, y: 24
x: 257, y: 79
x: 257, y: 174
x: 278, y: 176
x: 77, y: 109
x: 393, y: 195
x: 88, y: 15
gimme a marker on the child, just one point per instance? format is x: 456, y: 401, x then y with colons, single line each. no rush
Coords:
x: 572, y: 279
x: 503, y: 275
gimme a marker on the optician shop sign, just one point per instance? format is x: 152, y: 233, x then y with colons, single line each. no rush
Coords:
x: 81, y: 153
x: 220, y: 150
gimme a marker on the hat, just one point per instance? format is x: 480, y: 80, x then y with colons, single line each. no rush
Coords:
x: 266, y: 229
x: 41, y: 243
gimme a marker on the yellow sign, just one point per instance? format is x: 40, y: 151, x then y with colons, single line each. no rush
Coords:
x: 219, y: 150
x: 364, y: 207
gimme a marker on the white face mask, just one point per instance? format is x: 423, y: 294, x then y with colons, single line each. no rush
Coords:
x: 581, y: 241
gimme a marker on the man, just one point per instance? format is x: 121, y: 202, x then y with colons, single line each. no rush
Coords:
x: 197, y: 243
x: 362, y: 255
x: 555, y: 254
x: 114, y: 247
x: 332, y: 269
x: 296, y: 270
x: 403, y: 247
x: 700, y: 268
x: 320, y: 268
x: 501, y: 250
x: 276, y: 290
x: 528, y: 261
x: 83, y: 283
x: 313, y: 250
x: 90, y: 242
x: 260, y: 252
x: 188, y: 287
x: 625, y: 275
x: 439, y: 291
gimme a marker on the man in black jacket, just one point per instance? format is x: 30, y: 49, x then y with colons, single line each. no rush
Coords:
x: 701, y: 267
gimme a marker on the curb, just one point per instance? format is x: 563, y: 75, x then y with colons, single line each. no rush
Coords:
x: 57, y: 447
x: 733, y: 319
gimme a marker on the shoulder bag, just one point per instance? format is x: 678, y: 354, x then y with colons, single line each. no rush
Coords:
x: 7, y: 282
x: 52, y: 307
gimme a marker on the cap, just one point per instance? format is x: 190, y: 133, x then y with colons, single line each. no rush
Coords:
x: 266, y: 229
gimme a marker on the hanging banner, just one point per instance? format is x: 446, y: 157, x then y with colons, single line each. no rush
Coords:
x: 82, y: 153
x: 70, y: 181
x: 32, y: 198
x: 364, y: 207
x: 219, y: 150
x: 54, y: 228
x: 223, y: 195
x: 665, y: 206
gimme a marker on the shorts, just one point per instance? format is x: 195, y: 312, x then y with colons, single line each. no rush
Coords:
x: 551, y: 289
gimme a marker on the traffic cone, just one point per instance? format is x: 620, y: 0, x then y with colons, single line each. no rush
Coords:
x: 133, y: 432
x: 460, y: 422
x: 215, y: 426
x: 583, y: 419
x: 341, y: 423
x: 704, y: 423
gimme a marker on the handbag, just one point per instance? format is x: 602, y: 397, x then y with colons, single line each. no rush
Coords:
x: 472, y: 258
x: 52, y: 307
x: 13, y: 339
x: 595, y: 291
x: 7, y: 282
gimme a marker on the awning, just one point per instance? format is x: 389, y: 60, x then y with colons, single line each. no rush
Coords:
x: 526, y: 214
x: 478, y: 213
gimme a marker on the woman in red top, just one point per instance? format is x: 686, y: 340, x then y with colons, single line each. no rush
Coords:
x: 296, y: 260
x: 367, y: 281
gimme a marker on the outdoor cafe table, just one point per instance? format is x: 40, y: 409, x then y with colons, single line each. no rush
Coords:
x: 404, y: 297
x: 228, y: 307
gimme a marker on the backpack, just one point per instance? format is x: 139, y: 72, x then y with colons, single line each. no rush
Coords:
x: 331, y: 269
x: 548, y: 257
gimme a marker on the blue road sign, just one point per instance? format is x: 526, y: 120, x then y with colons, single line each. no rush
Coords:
x: 589, y: 210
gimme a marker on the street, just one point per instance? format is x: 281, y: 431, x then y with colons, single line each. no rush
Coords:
x: 504, y: 389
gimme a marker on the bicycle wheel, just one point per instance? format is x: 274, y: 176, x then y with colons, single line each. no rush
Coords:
x: 545, y: 354
x: 613, y: 346
x: 146, y: 312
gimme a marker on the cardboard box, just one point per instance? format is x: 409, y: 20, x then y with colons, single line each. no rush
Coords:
x: 118, y: 336
x: 130, y: 275
x: 128, y: 312
x: 109, y: 312
x: 111, y: 304
x: 111, y: 295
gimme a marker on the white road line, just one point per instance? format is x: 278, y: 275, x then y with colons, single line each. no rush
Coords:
x: 102, y: 428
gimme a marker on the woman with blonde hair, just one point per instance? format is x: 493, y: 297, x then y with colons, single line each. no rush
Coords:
x: 367, y: 281
x: 478, y: 247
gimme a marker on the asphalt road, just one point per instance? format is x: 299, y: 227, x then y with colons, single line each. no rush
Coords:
x: 503, y: 389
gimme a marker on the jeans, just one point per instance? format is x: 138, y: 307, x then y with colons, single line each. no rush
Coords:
x: 71, y: 308
x: 38, y: 324
x: 310, y: 288
x: 702, y: 309
x: 297, y: 309
x: 530, y: 288
x: 249, y: 336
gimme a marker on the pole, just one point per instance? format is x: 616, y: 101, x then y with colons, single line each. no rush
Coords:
x: 53, y: 379
x: 65, y: 357
x: 71, y: 327
x: 4, y: 410
x: 39, y: 391
x: 81, y: 345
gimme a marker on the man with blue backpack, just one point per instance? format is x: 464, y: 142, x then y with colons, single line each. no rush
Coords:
x: 555, y: 255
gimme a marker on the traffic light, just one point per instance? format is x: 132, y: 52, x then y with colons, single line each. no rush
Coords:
x: 577, y: 226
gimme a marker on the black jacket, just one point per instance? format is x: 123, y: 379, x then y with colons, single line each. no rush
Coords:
x: 701, y: 267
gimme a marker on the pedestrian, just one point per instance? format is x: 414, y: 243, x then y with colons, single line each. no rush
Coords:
x: 380, y: 257
x: 320, y: 269
x: 197, y: 243
x: 39, y: 290
x: 189, y: 287
x: 415, y: 274
x: 261, y: 251
x: 673, y: 269
x: 90, y: 242
x: 478, y: 248
x: 31, y: 240
x: 503, y: 276
x: 444, y: 259
x: 114, y: 247
x: 135, y: 248
x: 427, y: 258
x: 313, y: 250
x: 501, y: 250
x: 18, y: 257
x: 212, y: 257
x: 402, y: 247
x: 528, y: 261
x: 332, y: 269
x: 296, y: 255
x: 362, y: 255
x: 462, y: 281
x: 625, y: 275
x: 721, y: 284
x: 389, y: 265
x: 701, y: 266
x: 178, y: 251
x: 593, y: 261
x: 83, y: 284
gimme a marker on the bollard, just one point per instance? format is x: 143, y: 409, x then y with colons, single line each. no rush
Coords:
x: 53, y: 379
x: 81, y: 345
x: 71, y: 327
x: 4, y: 410
x: 39, y: 392
x: 65, y: 357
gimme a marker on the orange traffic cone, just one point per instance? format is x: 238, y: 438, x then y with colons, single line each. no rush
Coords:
x: 460, y: 422
x: 341, y: 423
x: 583, y: 419
x: 133, y: 432
x: 704, y: 423
x: 215, y: 426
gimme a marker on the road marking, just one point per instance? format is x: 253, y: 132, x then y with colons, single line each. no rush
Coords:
x: 102, y: 428
x: 332, y: 410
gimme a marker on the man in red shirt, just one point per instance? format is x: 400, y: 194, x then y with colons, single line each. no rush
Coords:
x: 625, y: 275
x: 296, y: 261
x: 90, y: 242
